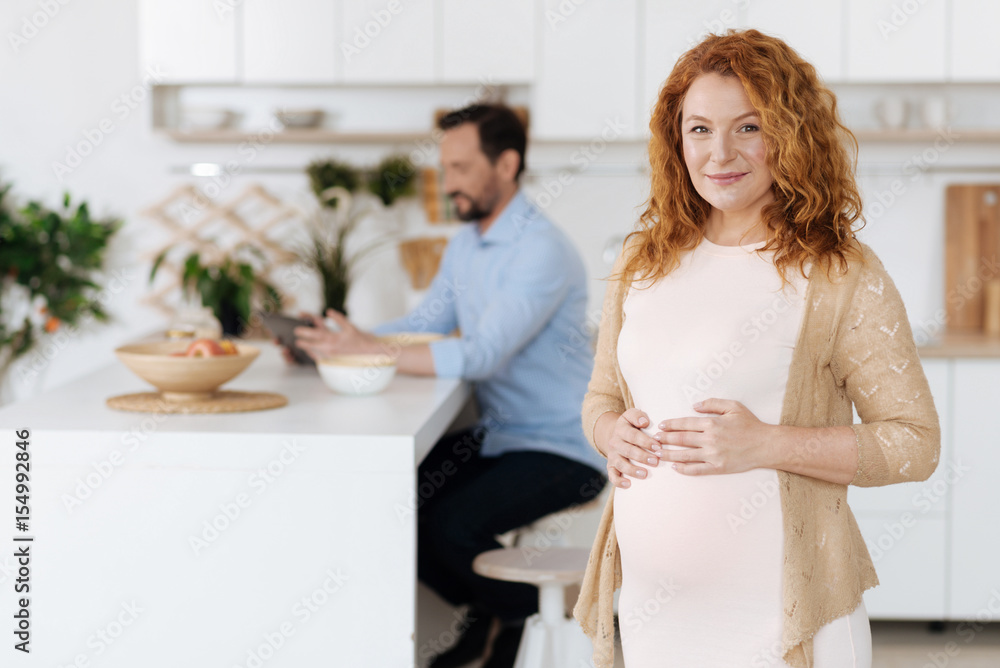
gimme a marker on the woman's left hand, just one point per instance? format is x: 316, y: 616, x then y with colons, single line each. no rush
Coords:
x: 733, y: 440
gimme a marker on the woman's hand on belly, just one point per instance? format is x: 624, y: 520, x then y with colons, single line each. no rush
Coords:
x: 627, y: 446
x: 732, y: 441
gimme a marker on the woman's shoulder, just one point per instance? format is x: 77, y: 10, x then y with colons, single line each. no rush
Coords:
x: 859, y: 262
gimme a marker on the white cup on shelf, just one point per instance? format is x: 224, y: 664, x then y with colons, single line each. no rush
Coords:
x: 892, y: 112
x: 936, y: 112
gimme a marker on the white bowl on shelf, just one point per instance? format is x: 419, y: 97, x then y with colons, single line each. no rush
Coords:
x: 357, y: 375
x: 299, y: 119
x: 195, y: 118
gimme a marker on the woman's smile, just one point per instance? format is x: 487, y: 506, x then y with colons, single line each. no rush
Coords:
x: 727, y: 178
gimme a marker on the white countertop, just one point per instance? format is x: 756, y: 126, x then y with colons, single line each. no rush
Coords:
x: 403, y: 409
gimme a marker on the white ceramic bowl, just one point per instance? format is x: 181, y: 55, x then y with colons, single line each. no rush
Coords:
x: 295, y: 119
x: 357, y: 374
x: 194, y: 118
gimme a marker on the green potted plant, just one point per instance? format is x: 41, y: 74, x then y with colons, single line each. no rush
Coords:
x: 50, y: 262
x: 232, y: 287
x: 327, y: 251
x: 393, y: 178
x: 325, y: 175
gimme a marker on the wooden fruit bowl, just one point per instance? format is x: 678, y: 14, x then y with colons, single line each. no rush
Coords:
x: 184, y: 378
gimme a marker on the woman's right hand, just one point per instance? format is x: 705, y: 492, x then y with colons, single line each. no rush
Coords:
x: 625, y: 443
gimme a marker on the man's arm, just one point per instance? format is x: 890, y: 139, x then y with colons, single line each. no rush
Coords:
x: 416, y: 360
x: 536, y: 284
x: 435, y: 314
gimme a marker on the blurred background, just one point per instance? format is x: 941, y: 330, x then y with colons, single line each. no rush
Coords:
x: 138, y: 106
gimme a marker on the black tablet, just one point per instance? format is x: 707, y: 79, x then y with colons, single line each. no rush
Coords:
x: 283, y: 328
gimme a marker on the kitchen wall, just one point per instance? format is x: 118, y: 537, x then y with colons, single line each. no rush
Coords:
x: 82, y: 67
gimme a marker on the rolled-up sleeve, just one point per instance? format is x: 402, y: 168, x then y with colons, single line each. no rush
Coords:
x: 448, y: 361
x: 876, y: 360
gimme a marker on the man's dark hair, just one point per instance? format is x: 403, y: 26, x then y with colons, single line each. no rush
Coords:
x: 499, y: 129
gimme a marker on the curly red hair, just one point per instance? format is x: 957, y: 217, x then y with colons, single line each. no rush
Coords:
x: 811, y: 155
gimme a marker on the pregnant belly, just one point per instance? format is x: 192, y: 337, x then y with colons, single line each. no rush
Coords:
x: 709, y: 530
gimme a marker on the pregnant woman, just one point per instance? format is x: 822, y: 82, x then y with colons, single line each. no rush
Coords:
x: 742, y: 321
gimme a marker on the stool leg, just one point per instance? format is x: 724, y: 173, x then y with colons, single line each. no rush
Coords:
x: 552, y: 603
x: 541, y: 642
x: 550, y: 640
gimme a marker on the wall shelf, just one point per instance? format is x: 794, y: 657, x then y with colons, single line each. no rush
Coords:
x: 928, y: 135
x: 961, y: 344
x: 293, y: 136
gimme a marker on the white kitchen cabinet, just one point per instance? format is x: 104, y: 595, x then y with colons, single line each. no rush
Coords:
x: 929, y: 496
x: 905, y: 525
x: 975, y: 534
x: 669, y: 28
x: 896, y: 40
x: 972, y: 40
x: 289, y: 41
x: 189, y: 41
x: 818, y: 39
x: 909, y: 551
x: 487, y: 41
x: 388, y: 42
x: 586, y: 85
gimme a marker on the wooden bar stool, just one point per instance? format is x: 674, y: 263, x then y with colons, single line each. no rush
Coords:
x: 550, y: 640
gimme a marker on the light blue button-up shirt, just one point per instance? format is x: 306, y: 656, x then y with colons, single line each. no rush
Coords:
x: 518, y: 295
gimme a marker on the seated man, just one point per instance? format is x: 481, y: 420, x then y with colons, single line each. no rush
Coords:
x: 514, y: 286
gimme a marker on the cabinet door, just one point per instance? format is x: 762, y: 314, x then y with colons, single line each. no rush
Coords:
x: 904, y: 525
x: 974, y: 56
x: 291, y: 41
x: 388, y: 42
x: 487, y: 41
x: 189, y: 41
x: 818, y: 39
x: 975, y: 513
x: 891, y: 40
x: 586, y: 86
x: 909, y: 551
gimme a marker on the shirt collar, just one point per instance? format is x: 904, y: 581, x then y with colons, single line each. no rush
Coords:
x: 511, y: 221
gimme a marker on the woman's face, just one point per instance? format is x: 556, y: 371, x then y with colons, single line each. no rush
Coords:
x: 723, y: 147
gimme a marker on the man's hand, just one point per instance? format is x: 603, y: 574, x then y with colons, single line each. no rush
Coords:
x: 321, y: 342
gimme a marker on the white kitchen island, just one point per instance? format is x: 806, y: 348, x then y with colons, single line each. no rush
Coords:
x: 279, y: 538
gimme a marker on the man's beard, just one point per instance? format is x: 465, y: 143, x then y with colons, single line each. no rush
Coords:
x: 476, y: 211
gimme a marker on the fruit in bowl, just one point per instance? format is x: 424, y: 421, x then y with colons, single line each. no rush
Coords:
x: 207, y: 348
x: 357, y: 375
x: 186, y: 377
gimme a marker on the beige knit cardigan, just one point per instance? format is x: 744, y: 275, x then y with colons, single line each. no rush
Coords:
x: 854, y: 345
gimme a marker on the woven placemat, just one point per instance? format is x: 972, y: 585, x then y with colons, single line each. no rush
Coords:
x: 223, y: 401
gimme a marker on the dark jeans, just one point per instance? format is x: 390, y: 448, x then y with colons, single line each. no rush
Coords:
x: 467, y: 500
